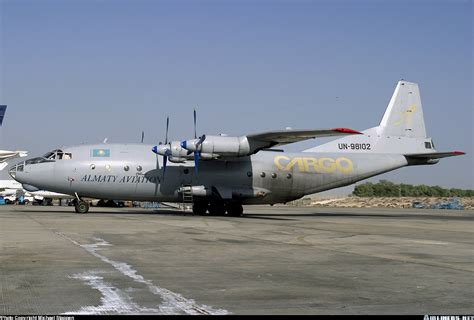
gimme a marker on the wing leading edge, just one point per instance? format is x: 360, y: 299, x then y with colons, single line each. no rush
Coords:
x: 282, y: 137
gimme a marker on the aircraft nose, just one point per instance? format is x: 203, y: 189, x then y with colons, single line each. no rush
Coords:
x: 12, y: 172
x: 15, y: 169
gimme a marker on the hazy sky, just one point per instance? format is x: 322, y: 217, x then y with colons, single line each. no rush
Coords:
x: 80, y: 71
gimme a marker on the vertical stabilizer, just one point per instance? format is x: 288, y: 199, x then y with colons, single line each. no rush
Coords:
x: 3, y: 109
x: 404, y: 114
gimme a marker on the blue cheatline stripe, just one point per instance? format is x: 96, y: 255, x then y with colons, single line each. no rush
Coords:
x: 3, y: 109
x: 100, y: 152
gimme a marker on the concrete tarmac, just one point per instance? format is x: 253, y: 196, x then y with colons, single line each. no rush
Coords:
x: 274, y: 260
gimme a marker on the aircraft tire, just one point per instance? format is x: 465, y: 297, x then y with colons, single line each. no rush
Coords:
x: 216, y: 209
x: 82, y: 207
x: 200, y: 209
x: 234, y: 209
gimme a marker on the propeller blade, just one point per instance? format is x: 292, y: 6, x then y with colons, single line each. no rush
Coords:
x: 195, y: 135
x: 167, y: 127
x: 196, y: 161
x: 165, y: 158
x: 201, y: 140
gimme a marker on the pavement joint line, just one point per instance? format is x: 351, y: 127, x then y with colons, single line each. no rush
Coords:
x: 173, y: 302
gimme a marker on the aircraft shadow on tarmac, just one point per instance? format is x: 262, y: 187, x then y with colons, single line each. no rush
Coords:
x: 434, y: 215
x: 268, y: 216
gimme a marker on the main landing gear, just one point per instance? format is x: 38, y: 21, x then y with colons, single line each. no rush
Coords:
x: 217, y: 208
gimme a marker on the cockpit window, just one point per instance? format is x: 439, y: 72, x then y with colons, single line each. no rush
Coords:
x: 38, y: 160
x: 65, y: 155
x: 58, y: 155
x: 52, y: 154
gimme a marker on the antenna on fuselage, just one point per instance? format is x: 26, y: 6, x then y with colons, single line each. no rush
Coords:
x: 143, y: 135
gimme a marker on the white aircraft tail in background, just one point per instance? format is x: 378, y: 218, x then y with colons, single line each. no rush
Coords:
x: 5, y: 154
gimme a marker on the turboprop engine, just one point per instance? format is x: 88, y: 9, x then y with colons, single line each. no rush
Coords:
x: 219, y: 146
x: 176, y: 153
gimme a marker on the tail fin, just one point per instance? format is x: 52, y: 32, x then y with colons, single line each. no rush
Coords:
x: 3, y: 109
x: 404, y: 114
x: 401, y: 131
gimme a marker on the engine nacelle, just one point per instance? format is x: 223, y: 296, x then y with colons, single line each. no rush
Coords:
x: 197, y: 191
x: 219, y: 146
x: 177, y: 151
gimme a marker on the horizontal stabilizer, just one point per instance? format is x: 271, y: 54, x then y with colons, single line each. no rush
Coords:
x: 435, y: 155
x: 280, y: 137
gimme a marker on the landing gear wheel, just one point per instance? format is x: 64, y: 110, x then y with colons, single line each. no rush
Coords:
x: 82, y: 207
x: 234, y: 209
x: 200, y: 208
x: 216, y: 209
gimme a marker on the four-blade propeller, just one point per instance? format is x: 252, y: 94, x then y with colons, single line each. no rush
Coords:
x: 195, y: 147
x: 164, y: 149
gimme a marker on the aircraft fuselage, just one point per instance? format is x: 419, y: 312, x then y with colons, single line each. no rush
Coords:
x: 133, y: 172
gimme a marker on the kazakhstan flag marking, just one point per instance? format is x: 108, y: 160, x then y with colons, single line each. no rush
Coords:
x: 100, y: 152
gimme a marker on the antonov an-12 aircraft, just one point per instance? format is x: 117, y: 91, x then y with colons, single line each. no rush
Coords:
x: 219, y: 174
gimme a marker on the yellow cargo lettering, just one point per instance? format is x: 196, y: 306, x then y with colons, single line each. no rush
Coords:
x: 296, y: 160
x: 327, y: 165
x: 278, y: 163
x: 311, y: 163
x: 344, y: 165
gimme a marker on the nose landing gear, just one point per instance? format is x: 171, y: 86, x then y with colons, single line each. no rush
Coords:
x: 80, y: 206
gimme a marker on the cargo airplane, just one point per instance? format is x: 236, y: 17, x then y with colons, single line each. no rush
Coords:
x: 219, y: 174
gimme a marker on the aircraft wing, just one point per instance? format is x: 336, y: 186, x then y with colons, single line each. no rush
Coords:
x: 434, y: 155
x: 281, y: 137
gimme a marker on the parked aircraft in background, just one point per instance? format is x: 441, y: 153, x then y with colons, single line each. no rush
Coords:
x: 14, y: 190
x: 219, y: 174
x: 5, y: 154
